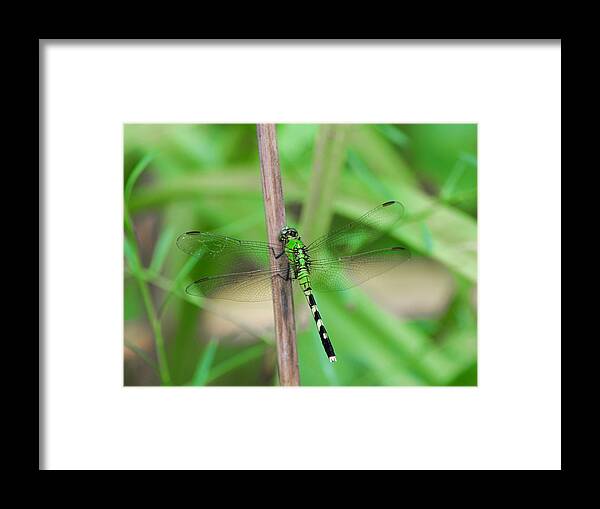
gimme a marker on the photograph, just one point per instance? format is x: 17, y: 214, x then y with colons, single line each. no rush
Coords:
x: 307, y: 254
x: 300, y: 254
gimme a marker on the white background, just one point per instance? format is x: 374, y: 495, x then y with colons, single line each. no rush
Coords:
x: 512, y: 420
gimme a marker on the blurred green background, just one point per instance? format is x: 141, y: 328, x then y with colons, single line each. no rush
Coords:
x: 415, y: 325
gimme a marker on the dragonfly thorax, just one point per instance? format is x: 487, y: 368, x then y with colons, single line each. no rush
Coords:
x: 299, y: 260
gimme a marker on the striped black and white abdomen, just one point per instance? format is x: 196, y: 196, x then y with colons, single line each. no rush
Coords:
x: 312, y: 303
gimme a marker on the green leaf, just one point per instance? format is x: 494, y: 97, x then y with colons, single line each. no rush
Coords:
x: 328, y: 162
x: 427, y: 238
x: 164, y: 245
x: 234, y: 362
x: 131, y: 256
x: 135, y: 174
x: 202, y: 373
x: 394, y: 134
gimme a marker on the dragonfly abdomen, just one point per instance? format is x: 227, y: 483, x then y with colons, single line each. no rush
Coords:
x: 312, y: 303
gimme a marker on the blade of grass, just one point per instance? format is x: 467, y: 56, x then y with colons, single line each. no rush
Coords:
x: 135, y: 174
x: 377, y: 152
x: 386, y: 342
x: 133, y: 257
x: 364, y: 175
x: 393, y: 134
x: 144, y: 356
x: 427, y: 238
x: 163, y: 246
x: 202, y: 373
x: 134, y: 262
x: 187, y: 267
x: 447, y: 191
x: 247, y: 355
x: 330, y: 152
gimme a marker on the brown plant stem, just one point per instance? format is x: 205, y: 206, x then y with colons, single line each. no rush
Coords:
x: 283, y: 304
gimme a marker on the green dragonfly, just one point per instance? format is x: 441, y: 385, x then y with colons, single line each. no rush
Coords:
x: 331, y: 262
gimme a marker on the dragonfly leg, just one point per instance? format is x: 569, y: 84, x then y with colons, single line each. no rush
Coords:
x: 279, y: 255
x: 287, y: 276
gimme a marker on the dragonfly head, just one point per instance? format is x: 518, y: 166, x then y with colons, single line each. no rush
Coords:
x: 287, y: 233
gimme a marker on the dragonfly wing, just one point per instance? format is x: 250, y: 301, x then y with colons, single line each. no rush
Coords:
x: 251, y: 286
x: 227, y: 254
x: 348, y: 271
x: 243, y: 267
x: 358, y: 234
